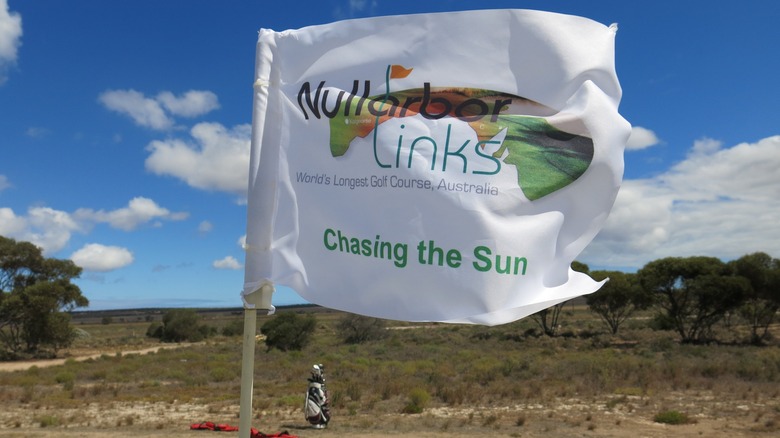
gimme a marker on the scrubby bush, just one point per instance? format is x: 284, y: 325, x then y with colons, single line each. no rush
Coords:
x: 672, y: 417
x: 356, y: 329
x: 233, y: 328
x: 288, y: 331
x: 418, y: 399
x: 179, y: 325
x: 47, y: 421
x: 67, y: 379
x: 155, y: 330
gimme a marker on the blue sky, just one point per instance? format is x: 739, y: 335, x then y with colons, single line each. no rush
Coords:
x: 124, y: 134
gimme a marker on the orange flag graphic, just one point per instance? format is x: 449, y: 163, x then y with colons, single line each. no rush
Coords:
x: 399, y: 71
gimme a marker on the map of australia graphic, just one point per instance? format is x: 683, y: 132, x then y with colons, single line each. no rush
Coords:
x: 547, y: 158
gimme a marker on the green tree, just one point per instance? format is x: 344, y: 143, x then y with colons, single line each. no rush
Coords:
x: 35, y: 294
x: 617, y: 299
x: 356, y: 329
x: 580, y: 267
x: 692, y: 293
x: 288, y: 331
x: 549, y: 319
x: 763, y: 297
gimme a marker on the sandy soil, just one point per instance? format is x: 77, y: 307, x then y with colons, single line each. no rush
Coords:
x: 631, y: 418
x: 41, y: 363
x: 565, y: 418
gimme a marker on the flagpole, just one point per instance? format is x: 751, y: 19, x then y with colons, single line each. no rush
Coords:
x: 261, y: 209
x: 259, y: 299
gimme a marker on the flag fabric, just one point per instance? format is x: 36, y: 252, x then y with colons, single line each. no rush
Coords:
x: 433, y: 167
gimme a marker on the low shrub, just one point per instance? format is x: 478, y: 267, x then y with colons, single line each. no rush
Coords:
x: 418, y: 399
x: 47, y: 421
x: 356, y: 329
x: 673, y: 417
x: 66, y: 378
x: 233, y: 328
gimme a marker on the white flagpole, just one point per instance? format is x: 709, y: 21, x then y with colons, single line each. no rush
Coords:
x: 260, y: 210
x: 259, y: 299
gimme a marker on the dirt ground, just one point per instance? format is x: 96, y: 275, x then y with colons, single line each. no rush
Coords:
x: 42, y: 363
x: 632, y: 417
x: 565, y: 418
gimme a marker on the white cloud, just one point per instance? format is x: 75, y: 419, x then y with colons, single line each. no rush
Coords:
x: 51, y: 229
x: 362, y: 5
x: 11, y: 225
x: 36, y: 132
x: 156, y: 113
x: 205, y: 227
x: 745, y: 172
x: 228, y: 262
x: 641, y: 138
x: 139, y: 211
x: 4, y: 184
x: 191, y: 104
x: 217, y: 158
x: 720, y: 202
x: 10, y: 38
x: 242, y: 241
x: 46, y: 228
x: 143, y: 110
x: 95, y: 257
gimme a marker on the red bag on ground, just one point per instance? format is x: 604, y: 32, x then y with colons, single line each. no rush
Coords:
x: 206, y: 425
x: 254, y: 433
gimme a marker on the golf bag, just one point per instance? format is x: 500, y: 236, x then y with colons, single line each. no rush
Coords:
x: 316, y: 407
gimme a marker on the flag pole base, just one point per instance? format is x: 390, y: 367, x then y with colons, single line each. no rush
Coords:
x: 258, y: 299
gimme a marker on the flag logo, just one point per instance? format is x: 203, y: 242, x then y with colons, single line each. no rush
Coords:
x: 546, y: 158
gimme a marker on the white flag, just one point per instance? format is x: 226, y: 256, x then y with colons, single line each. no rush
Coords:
x: 433, y: 167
